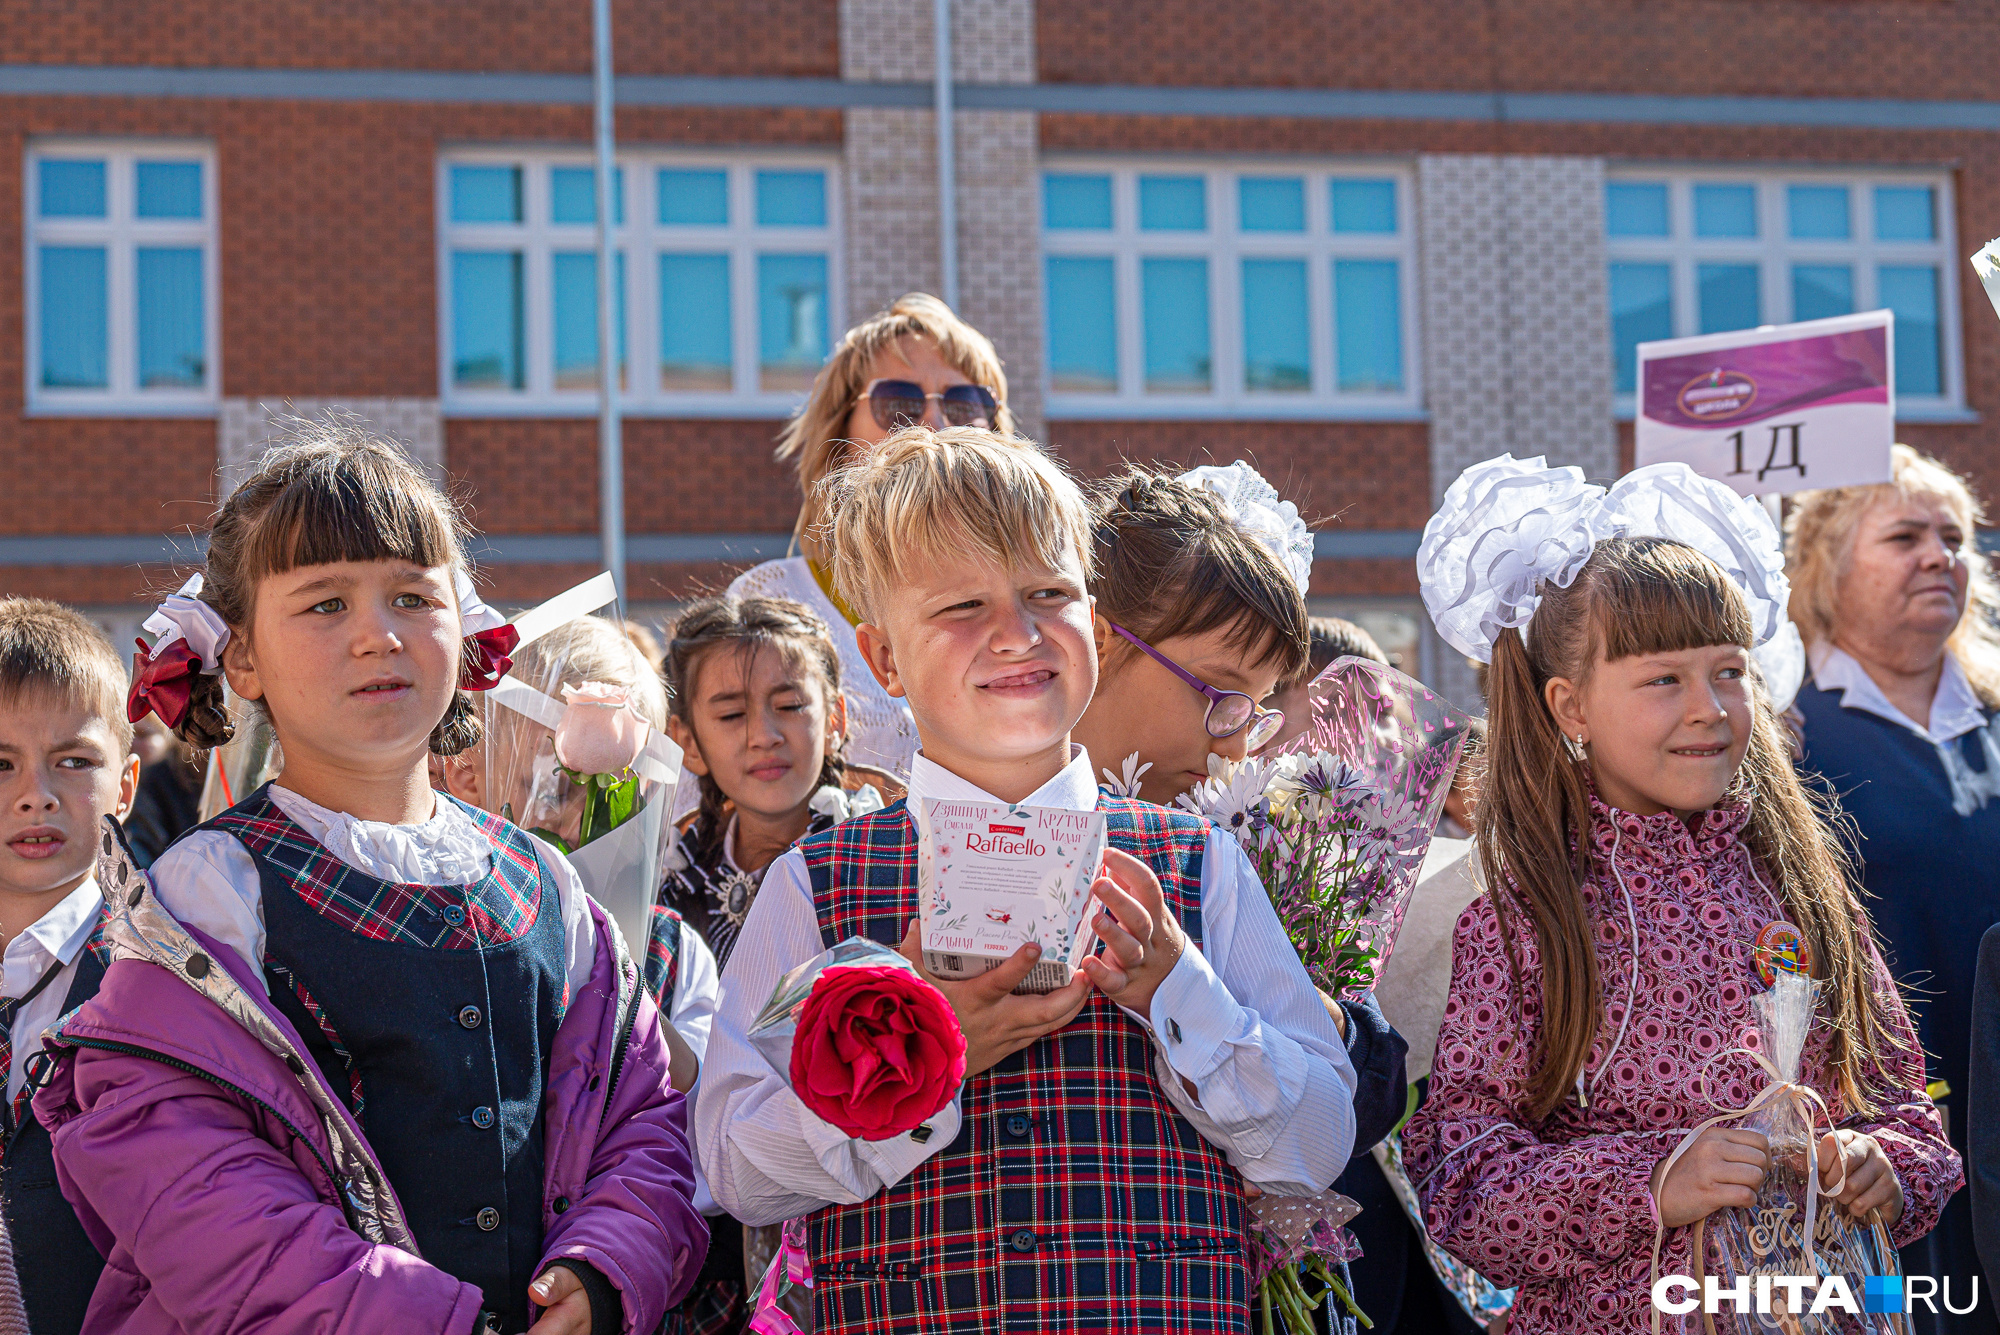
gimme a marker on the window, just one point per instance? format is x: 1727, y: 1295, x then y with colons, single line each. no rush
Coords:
x: 1175, y: 288
x: 121, y: 261
x: 1706, y: 252
x: 726, y: 279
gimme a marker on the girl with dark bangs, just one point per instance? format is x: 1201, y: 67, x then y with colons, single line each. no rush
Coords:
x: 367, y: 1058
x: 1649, y: 849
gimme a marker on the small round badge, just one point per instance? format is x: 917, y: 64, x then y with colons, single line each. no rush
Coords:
x: 1781, y: 946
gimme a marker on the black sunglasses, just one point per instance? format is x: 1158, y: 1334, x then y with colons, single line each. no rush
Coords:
x: 900, y: 403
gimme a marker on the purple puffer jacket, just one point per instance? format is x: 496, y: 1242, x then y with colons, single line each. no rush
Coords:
x: 231, y: 1192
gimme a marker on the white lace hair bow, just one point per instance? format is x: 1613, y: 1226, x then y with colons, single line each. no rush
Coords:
x: 473, y: 613
x: 184, y: 616
x: 1253, y: 505
x: 1508, y: 524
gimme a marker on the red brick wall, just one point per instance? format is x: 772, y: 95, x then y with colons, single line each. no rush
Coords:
x: 1792, y: 48
x: 744, y: 37
x: 1358, y: 475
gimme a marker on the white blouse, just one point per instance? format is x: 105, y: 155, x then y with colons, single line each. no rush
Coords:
x: 880, y: 732
x: 209, y: 882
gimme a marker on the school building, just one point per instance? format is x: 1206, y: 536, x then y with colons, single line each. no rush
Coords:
x: 1361, y: 244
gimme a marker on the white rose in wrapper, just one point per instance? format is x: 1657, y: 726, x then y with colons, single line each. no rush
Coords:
x: 1987, y: 265
x: 599, y: 733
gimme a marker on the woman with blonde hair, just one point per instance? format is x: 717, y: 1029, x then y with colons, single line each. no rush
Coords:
x: 1897, y: 607
x: 914, y: 362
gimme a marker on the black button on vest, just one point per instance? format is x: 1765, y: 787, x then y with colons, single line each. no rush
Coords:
x: 413, y: 1018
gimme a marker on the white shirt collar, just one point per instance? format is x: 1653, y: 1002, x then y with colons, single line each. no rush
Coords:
x: 447, y: 849
x: 60, y: 933
x: 1955, y: 710
x: 1072, y: 788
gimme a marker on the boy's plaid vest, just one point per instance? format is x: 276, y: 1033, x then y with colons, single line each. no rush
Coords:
x: 1075, y: 1197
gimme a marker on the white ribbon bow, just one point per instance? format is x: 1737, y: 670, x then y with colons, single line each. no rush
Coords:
x: 184, y: 616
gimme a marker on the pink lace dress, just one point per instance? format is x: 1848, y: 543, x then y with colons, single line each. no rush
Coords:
x: 1564, y: 1210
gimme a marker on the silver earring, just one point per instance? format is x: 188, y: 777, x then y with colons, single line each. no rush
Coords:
x: 1579, y: 739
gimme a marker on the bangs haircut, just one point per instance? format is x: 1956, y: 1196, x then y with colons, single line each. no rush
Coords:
x: 926, y: 498
x: 347, y: 505
x: 48, y: 651
x: 1659, y: 597
x: 1169, y: 562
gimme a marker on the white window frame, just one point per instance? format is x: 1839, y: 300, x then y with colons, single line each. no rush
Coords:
x: 1225, y: 246
x: 642, y: 238
x: 121, y: 233
x: 1774, y: 251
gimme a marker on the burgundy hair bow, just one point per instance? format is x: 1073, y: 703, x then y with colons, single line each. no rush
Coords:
x: 162, y: 684
x: 487, y: 659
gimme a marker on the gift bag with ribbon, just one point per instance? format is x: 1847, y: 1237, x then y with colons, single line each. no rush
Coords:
x: 1794, y: 1229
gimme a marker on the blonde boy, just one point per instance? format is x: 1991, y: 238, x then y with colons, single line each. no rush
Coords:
x: 1089, y: 1175
x: 65, y: 764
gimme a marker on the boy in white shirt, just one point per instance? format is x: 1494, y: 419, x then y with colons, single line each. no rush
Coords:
x: 66, y: 763
x: 1089, y: 1176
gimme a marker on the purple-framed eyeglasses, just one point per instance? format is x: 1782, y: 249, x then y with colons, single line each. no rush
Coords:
x: 1229, y: 712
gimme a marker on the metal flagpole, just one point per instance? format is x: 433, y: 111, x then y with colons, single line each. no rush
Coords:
x: 610, y: 442
x: 947, y: 155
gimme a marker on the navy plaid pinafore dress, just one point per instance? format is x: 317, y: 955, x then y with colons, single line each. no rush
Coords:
x: 1076, y: 1198
x: 432, y: 1010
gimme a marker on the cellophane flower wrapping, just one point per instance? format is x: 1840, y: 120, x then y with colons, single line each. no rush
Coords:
x: 1338, y: 821
x: 1768, y: 1238
x: 866, y: 1042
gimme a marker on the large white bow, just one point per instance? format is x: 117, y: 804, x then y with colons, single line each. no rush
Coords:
x: 1507, y: 525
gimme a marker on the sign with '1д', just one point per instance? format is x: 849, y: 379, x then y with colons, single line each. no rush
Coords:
x: 1778, y: 409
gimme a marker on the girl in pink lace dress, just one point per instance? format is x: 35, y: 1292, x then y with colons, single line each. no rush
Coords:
x: 1640, y: 826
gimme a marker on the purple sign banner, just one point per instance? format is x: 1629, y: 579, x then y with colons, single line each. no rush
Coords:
x: 1772, y: 410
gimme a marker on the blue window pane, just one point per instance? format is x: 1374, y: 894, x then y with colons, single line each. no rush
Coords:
x: 791, y: 199
x: 1267, y: 204
x: 1905, y: 213
x: 1277, y: 333
x: 573, y: 276
x: 1912, y: 292
x: 1728, y: 297
x: 486, y: 194
x: 486, y: 319
x: 791, y: 319
x: 73, y: 313
x: 695, y: 325
x: 690, y: 198
x: 1364, y: 206
x: 1368, y: 327
x: 573, y: 195
x: 170, y: 318
x: 1083, y: 326
x: 1725, y: 210
x: 70, y: 188
x: 1174, y: 299
x: 1635, y: 208
x: 1820, y: 291
x: 1642, y: 310
x: 1076, y: 201
x: 1818, y: 212
x: 1173, y: 203
x: 169, y: 190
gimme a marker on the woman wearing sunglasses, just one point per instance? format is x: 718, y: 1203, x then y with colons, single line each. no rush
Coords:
x: 915, y: 362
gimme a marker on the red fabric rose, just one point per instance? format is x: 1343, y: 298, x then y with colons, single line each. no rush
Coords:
x: 877, y: 1051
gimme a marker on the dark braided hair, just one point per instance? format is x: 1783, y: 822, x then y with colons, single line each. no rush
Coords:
x: 1168, y: 562
x: 329, y: 491
x: 750, y: 625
